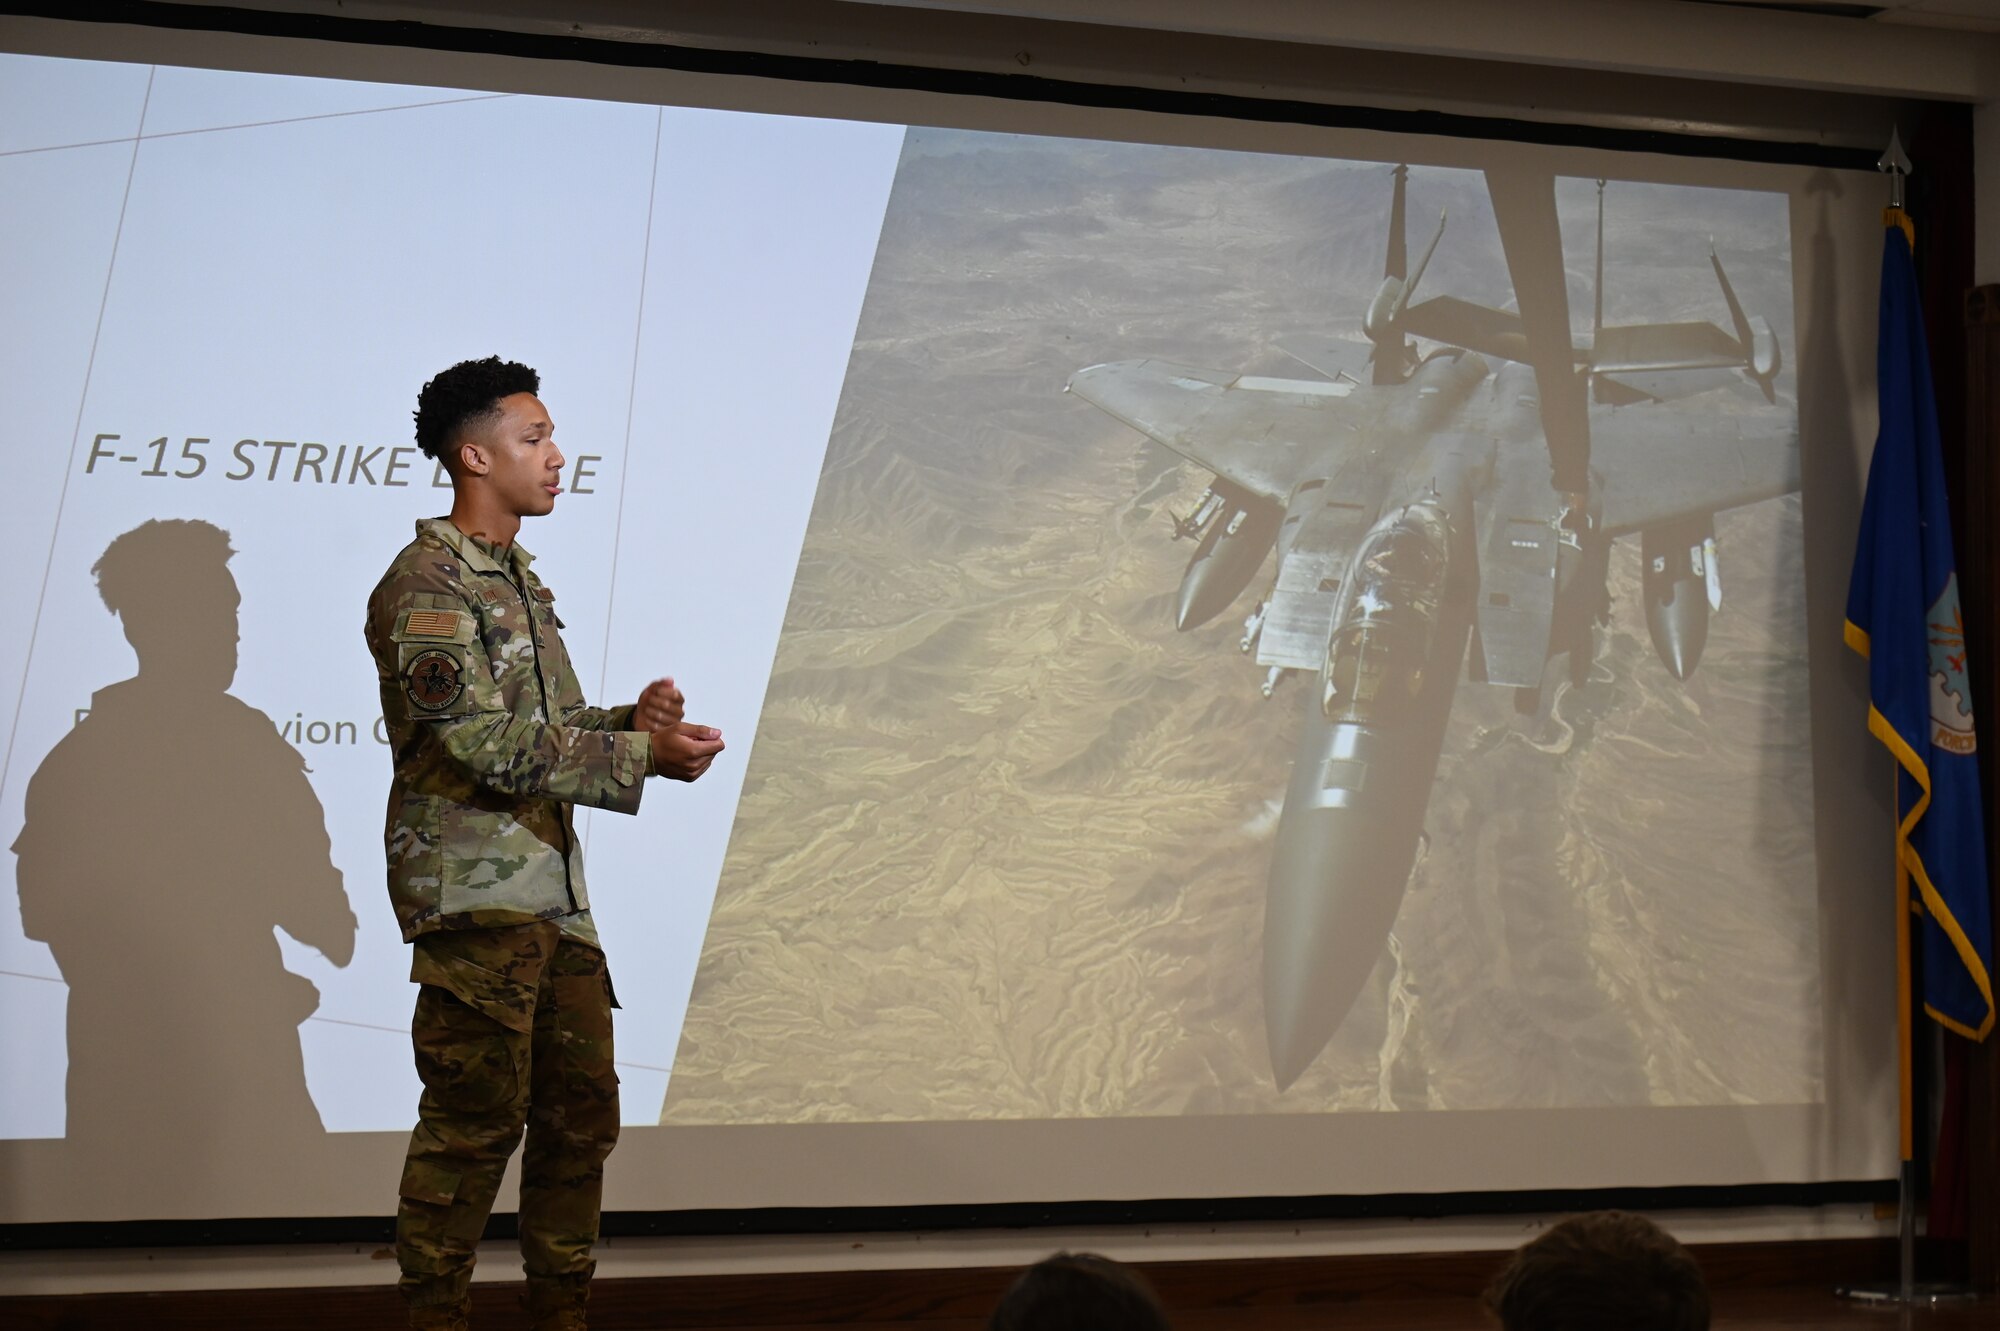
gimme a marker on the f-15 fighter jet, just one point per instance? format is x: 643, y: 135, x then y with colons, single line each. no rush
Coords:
x: 1436, y: 513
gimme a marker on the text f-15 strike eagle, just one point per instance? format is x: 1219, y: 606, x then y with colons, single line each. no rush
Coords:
x: 1428, y: 510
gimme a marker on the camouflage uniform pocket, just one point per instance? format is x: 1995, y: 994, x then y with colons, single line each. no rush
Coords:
x: 425, y: 1182
x: 473, y: 1025
x: 470, y: 1063
x: 506, y: 999
x: 500, y: 858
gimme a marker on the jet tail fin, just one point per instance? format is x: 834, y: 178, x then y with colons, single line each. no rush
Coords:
x: 1403, y: 302
x: 1754, y: 336
x: 1736, y: 315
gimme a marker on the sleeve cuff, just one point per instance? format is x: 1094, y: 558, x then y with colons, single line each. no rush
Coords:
x: 630, y: 760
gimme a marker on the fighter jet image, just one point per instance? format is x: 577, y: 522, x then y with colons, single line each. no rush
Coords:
x: 1442, y: 501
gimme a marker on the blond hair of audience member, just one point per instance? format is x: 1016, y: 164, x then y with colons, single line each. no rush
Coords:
x: 1078, y: 1291
x: 1600, y: 1270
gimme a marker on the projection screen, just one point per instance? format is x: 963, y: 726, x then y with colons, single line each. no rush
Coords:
x: 1190, y: 732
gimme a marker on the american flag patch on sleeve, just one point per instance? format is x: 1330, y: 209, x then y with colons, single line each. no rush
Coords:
x: 432, y: 624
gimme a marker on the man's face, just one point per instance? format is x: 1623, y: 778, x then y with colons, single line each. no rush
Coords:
x: 523, y: 466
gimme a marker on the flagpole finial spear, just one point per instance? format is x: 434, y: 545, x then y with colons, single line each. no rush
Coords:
x: 1897, y: 163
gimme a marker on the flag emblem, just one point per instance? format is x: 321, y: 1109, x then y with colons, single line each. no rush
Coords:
x: 432, y: 624
x: 1951, y: 709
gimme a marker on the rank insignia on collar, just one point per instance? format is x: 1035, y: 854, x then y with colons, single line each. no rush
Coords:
x: 434, y: 680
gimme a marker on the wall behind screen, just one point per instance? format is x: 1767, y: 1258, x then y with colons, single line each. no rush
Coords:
x: 1833, y: 243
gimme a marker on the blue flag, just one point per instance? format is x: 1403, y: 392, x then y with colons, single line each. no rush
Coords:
x: 1903, y: 615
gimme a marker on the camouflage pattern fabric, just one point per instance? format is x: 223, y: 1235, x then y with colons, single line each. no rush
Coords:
x: 558, y: 1304
x: 491, y: 740
x: 512, y: 1034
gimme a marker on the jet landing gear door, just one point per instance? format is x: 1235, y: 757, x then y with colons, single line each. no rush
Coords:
x: 1517, y: 583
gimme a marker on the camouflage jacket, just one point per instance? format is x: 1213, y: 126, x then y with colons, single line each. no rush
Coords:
x: 492, y: 742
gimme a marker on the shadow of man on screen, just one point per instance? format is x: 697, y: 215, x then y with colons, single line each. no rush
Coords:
x: 164, y: 837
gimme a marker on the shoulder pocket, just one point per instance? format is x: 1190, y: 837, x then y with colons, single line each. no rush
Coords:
x: 443, y: 623
x: 434, y: 648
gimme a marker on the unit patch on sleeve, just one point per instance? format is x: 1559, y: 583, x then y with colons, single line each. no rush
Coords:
x: 434, y: 679
x: 432, y: 624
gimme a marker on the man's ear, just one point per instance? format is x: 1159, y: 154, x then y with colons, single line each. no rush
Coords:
x: 472, y: 459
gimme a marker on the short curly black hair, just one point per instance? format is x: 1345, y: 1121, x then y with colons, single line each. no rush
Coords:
x: 467, y: 392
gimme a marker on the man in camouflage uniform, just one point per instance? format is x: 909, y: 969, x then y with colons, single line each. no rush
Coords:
x: 493, y: 748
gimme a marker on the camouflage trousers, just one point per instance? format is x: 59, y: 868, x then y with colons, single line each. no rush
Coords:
x: 513, y: 1034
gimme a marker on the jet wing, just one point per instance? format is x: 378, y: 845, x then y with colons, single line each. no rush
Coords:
x: 1657, y: 465
x: 1334, y: 357
x: 1258, y: 433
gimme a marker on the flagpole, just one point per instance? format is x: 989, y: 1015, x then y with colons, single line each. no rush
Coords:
x: 1906, y: 1176
x: 1897, y: 164
x: 1905, y: 1293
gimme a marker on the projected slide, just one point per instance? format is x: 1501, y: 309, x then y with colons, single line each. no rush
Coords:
x: 1116, y: 758
x: 1198, y: 633
x: 224, y: 292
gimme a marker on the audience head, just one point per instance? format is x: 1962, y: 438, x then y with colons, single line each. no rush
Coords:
x: 1078, y: 1291
x: 1603, y: 1269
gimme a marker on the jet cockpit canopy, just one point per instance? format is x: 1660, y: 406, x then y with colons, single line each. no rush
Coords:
x: 1388, y: 617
